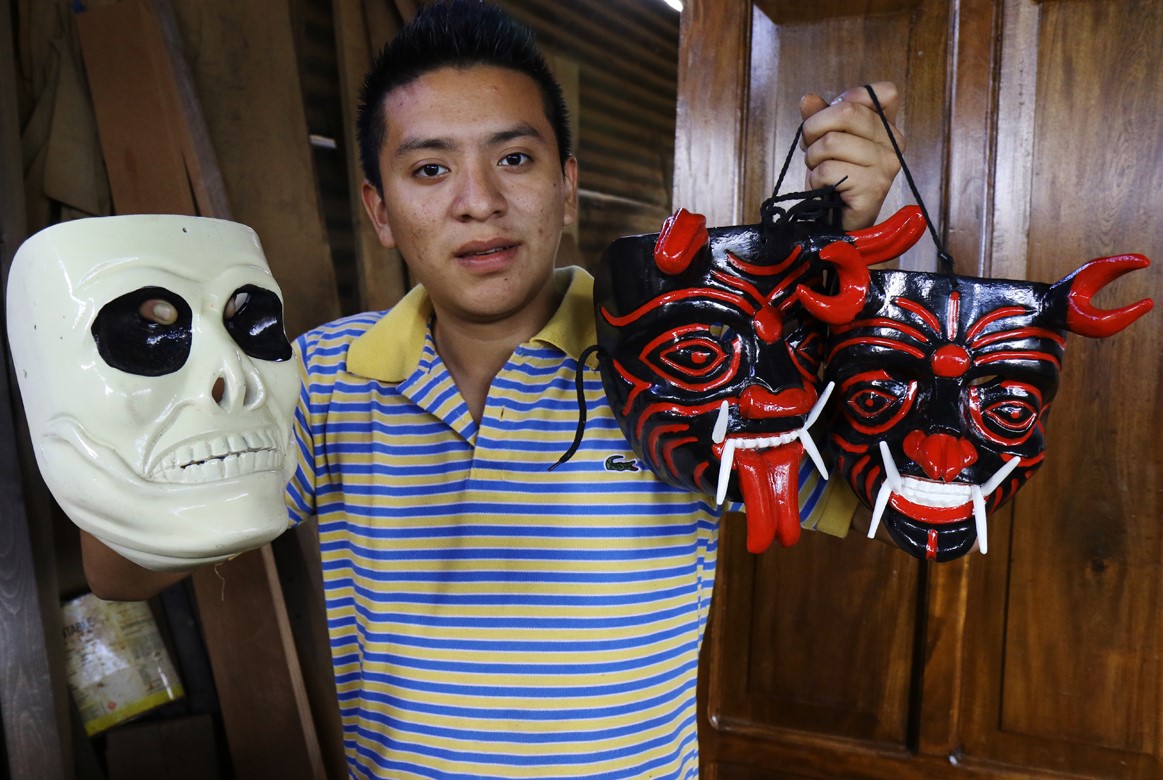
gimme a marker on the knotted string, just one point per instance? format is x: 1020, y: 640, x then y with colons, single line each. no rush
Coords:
x: 811, y: 206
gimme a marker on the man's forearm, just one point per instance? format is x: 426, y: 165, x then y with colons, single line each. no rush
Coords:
x: 115, y: 578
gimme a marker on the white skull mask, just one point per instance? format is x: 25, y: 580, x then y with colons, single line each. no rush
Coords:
x: 169, y: 442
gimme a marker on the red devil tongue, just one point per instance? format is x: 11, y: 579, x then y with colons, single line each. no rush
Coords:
x: 770, y: 482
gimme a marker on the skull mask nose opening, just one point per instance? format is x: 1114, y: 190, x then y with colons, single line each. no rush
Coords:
x: 236, y: 393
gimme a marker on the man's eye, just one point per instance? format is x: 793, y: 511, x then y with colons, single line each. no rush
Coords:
x: 515, y: 158
x: 429, y: 171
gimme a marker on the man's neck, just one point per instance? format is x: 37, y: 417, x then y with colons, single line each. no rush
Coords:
x: 475, y: 353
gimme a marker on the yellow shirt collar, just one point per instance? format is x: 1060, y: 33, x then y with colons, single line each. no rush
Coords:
x: 390, y: 350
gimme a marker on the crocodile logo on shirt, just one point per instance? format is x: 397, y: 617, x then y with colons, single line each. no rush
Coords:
x: 616, y: 463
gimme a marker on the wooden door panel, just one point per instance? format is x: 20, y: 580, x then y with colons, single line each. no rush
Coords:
x: 807, y: 643
x: 826, y: 48
x: 1069, y: 636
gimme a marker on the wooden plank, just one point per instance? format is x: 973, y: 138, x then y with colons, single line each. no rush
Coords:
x: 244, y: 617
x: 1086, y: 528
x: 811, y: 672
x: 181, y: 96
x: 255, y: 752
x: 256, y: 669
x: 971, y: 123
x: 301, y: 577
x: 174, y: 748
x: 246, y: 76
x: 131, y: 100
x: 36, y: 738
x: 383, y: 278
x: 711, y: 109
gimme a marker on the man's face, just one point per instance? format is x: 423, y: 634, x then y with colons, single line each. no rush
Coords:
x: 167, y: 439
x: 474, y: 195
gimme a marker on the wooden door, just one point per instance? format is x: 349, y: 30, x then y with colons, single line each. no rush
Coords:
x: 1036, y: 136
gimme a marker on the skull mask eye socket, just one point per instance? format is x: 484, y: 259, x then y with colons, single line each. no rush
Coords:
x: 131, y: 343
x: 256, y: 324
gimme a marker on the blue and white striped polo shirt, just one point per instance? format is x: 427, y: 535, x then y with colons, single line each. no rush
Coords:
x: 488, y: 617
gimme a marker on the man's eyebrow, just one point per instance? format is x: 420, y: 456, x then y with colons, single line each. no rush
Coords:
x: 522, y: 130
x: 424, y: 144
x: 437, y: 144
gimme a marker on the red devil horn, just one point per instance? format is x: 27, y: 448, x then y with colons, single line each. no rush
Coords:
x: 683, y: 234
x: 853, y: 278
x: 891, y: 238
x: 1080, y: 287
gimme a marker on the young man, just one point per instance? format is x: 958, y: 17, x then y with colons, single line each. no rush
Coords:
x: 488, y: 617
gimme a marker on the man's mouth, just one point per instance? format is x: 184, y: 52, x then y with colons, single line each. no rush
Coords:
x: 485, y: 250
x: 936, y: 503
x: 768, y: 469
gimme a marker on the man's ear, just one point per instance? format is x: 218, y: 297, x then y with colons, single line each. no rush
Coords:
x: 570, y: 194
x: 373, y: 203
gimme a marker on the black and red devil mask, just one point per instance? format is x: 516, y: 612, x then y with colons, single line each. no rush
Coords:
x: 943, y: 384
x: 711, y: 344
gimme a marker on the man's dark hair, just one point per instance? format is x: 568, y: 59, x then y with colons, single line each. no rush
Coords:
x: 458, y: 34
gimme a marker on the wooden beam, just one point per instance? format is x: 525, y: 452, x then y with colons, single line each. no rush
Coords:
x: 36, y: 740
x: 361, y: 29
x: 135, y: 112
x: 713, y: 64
x: 246, y: 76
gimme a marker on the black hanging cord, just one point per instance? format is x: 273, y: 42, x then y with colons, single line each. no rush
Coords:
x: 943, y: 257
x: 787, y: 160
x: 579, y: 383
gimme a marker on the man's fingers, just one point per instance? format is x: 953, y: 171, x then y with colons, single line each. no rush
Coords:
x: 848, y: 117
x: 886, y: 93
x: 844, y: 147
x: 845, y: 141
x: 811, y: 105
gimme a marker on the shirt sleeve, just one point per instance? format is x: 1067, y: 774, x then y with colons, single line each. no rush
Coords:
x: 300, y: 495
x: 833, y: 510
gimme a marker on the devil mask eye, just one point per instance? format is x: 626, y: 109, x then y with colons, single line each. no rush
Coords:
x: 875, y: 401
x: 695, y: 357
x: 1005, y: 412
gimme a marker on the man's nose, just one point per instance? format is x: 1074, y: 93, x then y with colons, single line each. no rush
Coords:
x: 479, y: 195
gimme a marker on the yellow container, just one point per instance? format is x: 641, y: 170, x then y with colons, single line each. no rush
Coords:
x: 118, y: 666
